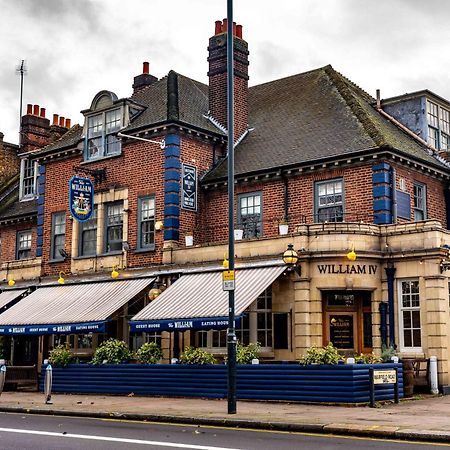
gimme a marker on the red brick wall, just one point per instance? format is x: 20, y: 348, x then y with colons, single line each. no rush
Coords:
x: 434, y: 189
x: 8, y: 236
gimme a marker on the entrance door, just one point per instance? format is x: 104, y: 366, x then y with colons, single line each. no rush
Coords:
x: 348, y: 320
x: 25, y: 350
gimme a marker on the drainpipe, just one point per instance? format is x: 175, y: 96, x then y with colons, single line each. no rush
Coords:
x: 286, y: 197
x: 394, y: 195
x: 383, y: 323
x: 390, y: 273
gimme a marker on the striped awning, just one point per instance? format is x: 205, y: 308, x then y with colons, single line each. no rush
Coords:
x: 72, y: 308
x: 198, y: 301
x: 6, y: 297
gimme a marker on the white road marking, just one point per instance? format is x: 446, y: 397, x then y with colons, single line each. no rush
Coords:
x: 114, y: 439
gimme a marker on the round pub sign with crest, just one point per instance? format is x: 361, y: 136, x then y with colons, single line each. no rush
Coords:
x: 81, y: 198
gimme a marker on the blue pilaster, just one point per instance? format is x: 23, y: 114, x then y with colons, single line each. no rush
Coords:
x: 382, y: 194
x: 172, y: 176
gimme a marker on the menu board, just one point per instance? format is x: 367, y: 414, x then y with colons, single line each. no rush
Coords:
x: 341, y: 331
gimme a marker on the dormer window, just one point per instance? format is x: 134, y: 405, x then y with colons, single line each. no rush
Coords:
x: 28, y: 179
x: 102, y: 134
x: 103, y: 121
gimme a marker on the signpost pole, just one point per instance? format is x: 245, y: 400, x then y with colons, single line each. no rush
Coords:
x: 372, y: 388
x: 231, y: 335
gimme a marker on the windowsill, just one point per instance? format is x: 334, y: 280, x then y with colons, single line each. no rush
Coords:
x: 102, y: 158
x: 101, y: 255
x: 54, y: 261
x: 145, y: 250
x: 28, y: 198
x: 115, y: 253
x: 84, y: 257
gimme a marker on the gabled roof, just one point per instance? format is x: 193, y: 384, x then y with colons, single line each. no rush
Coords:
x: 312, y: 116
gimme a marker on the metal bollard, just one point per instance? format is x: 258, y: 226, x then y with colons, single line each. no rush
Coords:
x: 48, y: 384
x: 433, y: 375
x: 2, y: 377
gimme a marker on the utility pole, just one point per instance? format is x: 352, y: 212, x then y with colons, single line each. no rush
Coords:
x: 21, y: 70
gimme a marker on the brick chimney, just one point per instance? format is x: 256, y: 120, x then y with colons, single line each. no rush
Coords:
x: 35, y: 129
x: 59, y: 127
x: 218, y: 76
x: 144, y: 79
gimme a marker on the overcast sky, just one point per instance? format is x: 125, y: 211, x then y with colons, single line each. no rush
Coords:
x: 75, y: 48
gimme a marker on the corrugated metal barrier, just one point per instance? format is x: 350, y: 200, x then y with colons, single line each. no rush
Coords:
x: 342, y: 383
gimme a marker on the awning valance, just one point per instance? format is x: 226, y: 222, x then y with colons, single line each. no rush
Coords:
x: 6, y: 297
x: 75, y: 308
x: 197, y: 301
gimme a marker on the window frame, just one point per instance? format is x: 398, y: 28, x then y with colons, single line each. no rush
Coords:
x: 54, y: 254
x: 318, y: 208
x: 417, y: 209
x: 141, y: 222
x: 99, y: 130
x: 259, y: 231
x: 402, y: 309
x: 23, y: 194
x: 93, y: 220
x: 28, y: 249
x: 107, y: 227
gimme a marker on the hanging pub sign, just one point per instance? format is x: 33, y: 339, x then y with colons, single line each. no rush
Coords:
x: 81, y: 198
x: 189, y: 187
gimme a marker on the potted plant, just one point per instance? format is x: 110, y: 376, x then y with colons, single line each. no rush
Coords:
x: 112, y: 351
x: 192, y: 355
x: 238, y: 234
x: 247, y: 354
x: 283, y: 227
x: 61, y: 356
x: 149, y: 353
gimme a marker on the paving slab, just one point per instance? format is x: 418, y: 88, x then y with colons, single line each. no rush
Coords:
x: 424, y: 418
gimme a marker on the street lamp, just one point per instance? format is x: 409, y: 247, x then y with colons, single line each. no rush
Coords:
x: 290, y: 258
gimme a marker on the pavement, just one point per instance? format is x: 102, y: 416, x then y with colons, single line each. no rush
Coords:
x: 422, y: 418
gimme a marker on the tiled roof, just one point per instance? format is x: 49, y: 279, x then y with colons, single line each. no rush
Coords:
x: 312, y: 116
x: 15, y: 209
x: 190, y: 98
x: 69, y: 139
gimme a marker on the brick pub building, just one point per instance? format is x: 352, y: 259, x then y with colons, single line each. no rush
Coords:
x: 319, y: 164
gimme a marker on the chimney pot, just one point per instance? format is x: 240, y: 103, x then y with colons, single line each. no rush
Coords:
x: 67, y: 123
x: 42, y: 113
x: 218, y: 29
x: 61, y: 121
x: 239, y: 31
x: 234, y: 28
x: 146, y: 68
x: 35, y: 110
x: 55, y: 119
x: 29, y: 108
x: 225, y: 25
x: 378, y: 99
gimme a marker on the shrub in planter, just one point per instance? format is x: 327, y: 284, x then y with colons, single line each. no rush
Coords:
x: 112, y: 351
x: 61, y: 356
x: 149, y: 353
x: 387, y: 353
x: 245, y: 354
x: 322, y: 355
x: 368, y: 358
x: 192, y: 355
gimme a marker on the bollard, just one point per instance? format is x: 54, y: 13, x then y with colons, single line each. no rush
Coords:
x: 433, y: 375
x: 2, y: 377
x: 48, y: 384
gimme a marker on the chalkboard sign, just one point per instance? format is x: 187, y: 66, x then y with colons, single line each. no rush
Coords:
x: 341, y: 331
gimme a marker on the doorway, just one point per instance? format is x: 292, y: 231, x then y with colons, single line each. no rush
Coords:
x: 348, y: 321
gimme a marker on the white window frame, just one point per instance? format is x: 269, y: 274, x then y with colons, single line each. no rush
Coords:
x: 28, y: 248
x: 329, y: 206
x: 146, y: 217
x: 102, y: 134
x: 402, y: 309
x: 250, y: 223
x: 23, y: 195
x: 111, y: 224
x: 54, y: 251
x: 423, y: 199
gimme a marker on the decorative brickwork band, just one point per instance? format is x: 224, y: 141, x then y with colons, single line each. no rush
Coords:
x: 172, y: 167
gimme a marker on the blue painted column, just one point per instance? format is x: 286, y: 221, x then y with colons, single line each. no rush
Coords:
x: 382, y: 194
x: 172, y: 177
x: 390, y: 273
x: 383, y: 323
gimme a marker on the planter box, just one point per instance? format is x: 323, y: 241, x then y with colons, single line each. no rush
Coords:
x: 343, y: 383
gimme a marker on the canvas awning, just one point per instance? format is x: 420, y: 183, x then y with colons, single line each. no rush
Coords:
x: 6, y: 297
x: 198, y: 301
x: 74, y: 308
